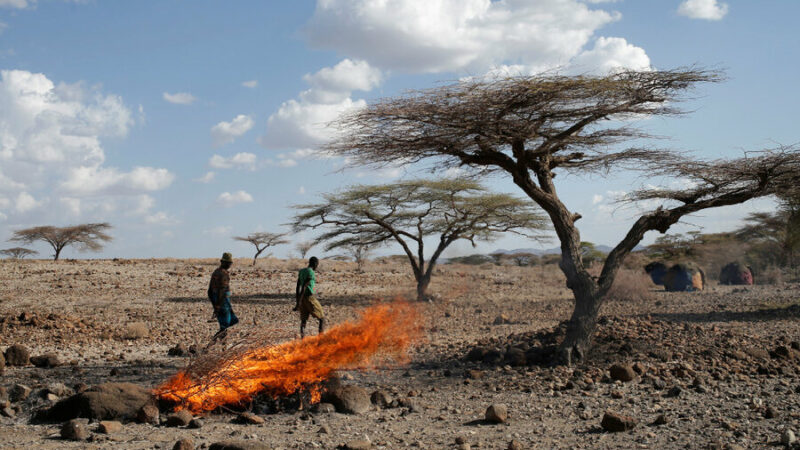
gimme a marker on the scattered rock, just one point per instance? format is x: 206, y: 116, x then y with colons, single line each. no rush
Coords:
x: 109, y: 427
x: 196, y: 424
x: 2, y: 363
x: 496, y: 413
x: 348, y: 399
x: 17, y: 355
x: 3, y: 393
x: 179, y: 418
x: 788, y: 437
x: 59, y: 389
x: 502, y: 319
x: 109, y: 401
x: 148, y: 414
x: 184, y: 444
x: 239, y: 445
x: 324, y: 430
x: 674, y: 391
x: 515, y: 357
x: 325, y: 408
x: 74, y: 430
x: 515, y: 445
x: 616, y: 422
x: 474, y: 374
x: 770, y: 413
x: 622, y: 372
x: 476, y: 354
x: 47, y: 360
x: 18, y: 392
x: 248, y: 418
x: 8, y: 412
x: 660, y: 420
x: 381, y: 399
x: 178, y: 350
x: 461, y: 440
x: 358, y: 444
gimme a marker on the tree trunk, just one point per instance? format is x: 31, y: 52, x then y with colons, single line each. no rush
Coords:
x: 422, y: 286
x: 57, y: 253
x: 580, y: 328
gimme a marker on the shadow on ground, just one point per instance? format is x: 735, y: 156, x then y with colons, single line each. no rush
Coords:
x: 279, y: 299
x: 758, y: 315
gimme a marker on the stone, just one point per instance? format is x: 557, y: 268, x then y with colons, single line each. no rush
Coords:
x: 178, y: 350
x: 17, y: 355
x: 515, y: 445
x: 249, y: 418
x: 239, y: 445
x: 109, y: 427
x: 357, y: 444
x: 108, y: 401
x: 660, y: 420
x: 3, y: 393
x: 381, y: 399
x: 148, y: 414
x: 493, y: 356
x: 18, y: 392
x: 179, y: 418
x: 325, y: 408
x: 476, y: 354
x: 196, y: 424
x: 324, y: 430
x: 496, y: 413
x: 47, y: 360
x: 348, y: 399
x: 184, y: 444
x: 515, y: 357
x: 622, y: 372
x: 461, y: 440
x: 770, y: 413
x: 74, y: 430
x: 2, y: 363
x: 616, y: 422
x: 59, y: 389
x: 8, y: 411
x: 788, y: 437
x: 502, y: 319
x: 674, y: 391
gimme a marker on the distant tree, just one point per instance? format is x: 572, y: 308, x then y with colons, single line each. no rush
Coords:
x: 262, y: 241
x: 532, y: 128
x: 524, y: 259
x: 303, y: 248
x: 18, y: 252
x: 360, y: 252
x: 409, y: 212
x: 777, y: 233
x: 590, y: 254
x: 673, y: 247
x: 86, y: 237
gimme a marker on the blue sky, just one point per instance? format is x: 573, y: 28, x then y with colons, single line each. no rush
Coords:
x: 184, y: 123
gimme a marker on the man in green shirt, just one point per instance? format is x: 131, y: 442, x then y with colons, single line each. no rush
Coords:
x: 306, y: 301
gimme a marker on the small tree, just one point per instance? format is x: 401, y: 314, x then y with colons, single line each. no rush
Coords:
x: 410, y: 212
x: 533, y: 128
x: 360, y: 252
x: 776, y: 233
x: 18, y: 252
x: 303, y: 248
x: 86, y: 237
x: 262, y: 241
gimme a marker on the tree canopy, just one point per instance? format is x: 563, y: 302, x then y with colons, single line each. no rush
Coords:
x: 18, y: 252
x: 86, y: 237
x: 532, y: 128
x: 262, y: 240
x: 409, y: 212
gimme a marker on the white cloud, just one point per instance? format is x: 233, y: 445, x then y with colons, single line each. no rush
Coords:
x: 3, y: 26
x: 25, y: 202
x: 19, y: 4
x: 179, y: 98
x: 597, y: 198
x: 227, y: 199
x: 302, y: 123
x: 703, y: 9
x: 226, y: 132
x: 242, y: 160
x: 207, y: 178
x: 302, y: 190
x: 610, y: 54
x: 219, y: 231
x: 160, y: 218
x: 93, y: 180
x: 250, y: 84
x: 456, y: 35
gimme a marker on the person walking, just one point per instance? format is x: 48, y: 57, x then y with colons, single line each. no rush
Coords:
x: 306, y: 300
x: 219, y: 293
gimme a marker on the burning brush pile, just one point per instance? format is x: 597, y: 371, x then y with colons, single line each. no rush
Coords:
x: 237, y: 374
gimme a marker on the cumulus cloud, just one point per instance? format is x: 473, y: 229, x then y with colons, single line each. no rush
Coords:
x: 51, y: 139
x: 227, y: 199
x: 160, y: 218
x: 610, y: 54
x: 224, y: 133
x: 302, y: 123
x: 703, y: 9
x: 19, y: 4
x: 250, y: 84
x: 180, y: 98
x: 207, y: 178
x: 456, y: 35
x: 242, y: 160
x: 219, y: 231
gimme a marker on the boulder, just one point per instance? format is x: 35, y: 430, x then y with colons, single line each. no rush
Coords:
x: 622, y: 372
x: 184, y: 444
x: 74, y: 430
x: 18, y: 392
x: 109, y: 427
x: 616, y: 422
x: 381, y: 399
x: 249, y: 418
x: 348, y: 399
x: 17, y: 355
x: 148, y: 414
x: 179, y: 418
x: 239, y: 445
x: 47, y: 360
x: 109, y: 401
x: 496, y: 413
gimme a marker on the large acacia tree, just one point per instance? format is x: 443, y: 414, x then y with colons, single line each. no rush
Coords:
x: 86, y: 237
x: 409, y: 212
x: 533, y: 128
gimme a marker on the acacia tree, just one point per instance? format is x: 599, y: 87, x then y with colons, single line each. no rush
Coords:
x: 408, y: 212
x: 532, y: 128
x: 262, y: 241
x: 778, y: 231
x: 303, y: 247
x: 18, y: 252
x: 86, y: 237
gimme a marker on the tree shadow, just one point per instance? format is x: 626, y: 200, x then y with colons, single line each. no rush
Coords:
x: 758, y: 315
x: 278, y: 299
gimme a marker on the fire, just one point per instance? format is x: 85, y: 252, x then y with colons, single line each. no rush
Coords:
x: 233, y: 377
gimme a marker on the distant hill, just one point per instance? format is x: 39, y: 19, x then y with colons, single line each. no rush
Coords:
x: 553, y: 251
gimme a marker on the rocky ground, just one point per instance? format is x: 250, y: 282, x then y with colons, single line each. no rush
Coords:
x: 717, y: 369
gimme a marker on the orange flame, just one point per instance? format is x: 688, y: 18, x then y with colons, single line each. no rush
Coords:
x: 383, y: 330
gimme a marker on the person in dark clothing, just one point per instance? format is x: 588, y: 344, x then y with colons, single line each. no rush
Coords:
x: 219, y: 293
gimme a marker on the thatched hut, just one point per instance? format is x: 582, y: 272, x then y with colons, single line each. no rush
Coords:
x: 656, y: 270
x: 686, y: 277
x: 736, y: 273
